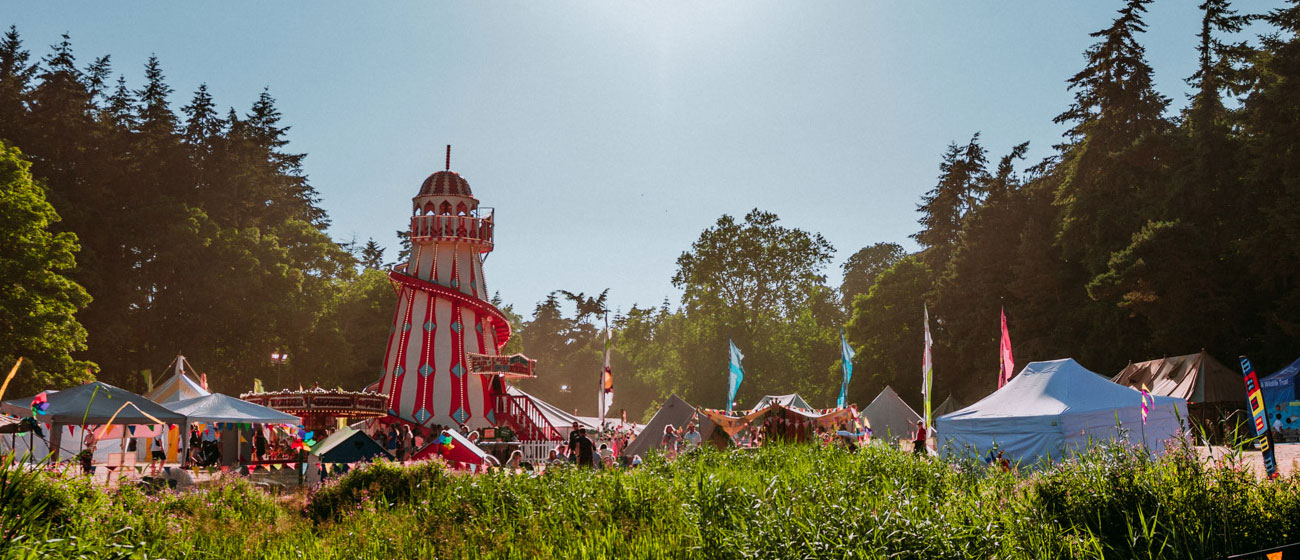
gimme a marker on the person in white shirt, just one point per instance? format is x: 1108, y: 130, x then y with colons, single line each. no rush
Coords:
x: 692, y: 437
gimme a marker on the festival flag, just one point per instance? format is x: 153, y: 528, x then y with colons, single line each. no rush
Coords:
x: 606, y: 376
x: 927, y: 366
x: 846, y: 359
x: 1259, y: 417
x: 737, y: 374
x: 1008, y: 363
x: 1146, y: 395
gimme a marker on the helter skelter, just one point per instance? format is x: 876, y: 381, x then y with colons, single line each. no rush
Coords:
x: 442, y: 364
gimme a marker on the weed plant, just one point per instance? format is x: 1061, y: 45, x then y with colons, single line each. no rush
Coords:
x: 803, y: 501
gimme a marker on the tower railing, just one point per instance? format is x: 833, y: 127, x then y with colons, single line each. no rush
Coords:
x: 529, y: 422
x: 467, y: 229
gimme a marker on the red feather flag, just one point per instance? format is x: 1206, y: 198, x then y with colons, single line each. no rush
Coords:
x: 1008, y: 363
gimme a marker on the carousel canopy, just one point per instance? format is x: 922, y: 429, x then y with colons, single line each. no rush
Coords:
x: 94, y: 403
x: 221, y: 408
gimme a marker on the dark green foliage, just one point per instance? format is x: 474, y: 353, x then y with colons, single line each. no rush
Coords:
x: 1142, y: 236
x: 37, y: 300
x: 862, y: 268
x: 199, y: 235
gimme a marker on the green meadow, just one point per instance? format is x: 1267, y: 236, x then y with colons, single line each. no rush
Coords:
x: 774, y: 502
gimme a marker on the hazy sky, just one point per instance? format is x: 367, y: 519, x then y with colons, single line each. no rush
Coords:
x: 607, y: 135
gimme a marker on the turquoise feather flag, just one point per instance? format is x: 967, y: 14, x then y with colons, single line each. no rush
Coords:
x: 846, y: 358
x: 737, y: 374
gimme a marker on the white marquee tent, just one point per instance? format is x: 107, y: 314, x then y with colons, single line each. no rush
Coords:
x: 1051, y: 408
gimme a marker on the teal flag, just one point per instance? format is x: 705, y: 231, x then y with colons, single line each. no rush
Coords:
x: 737, y: 374
x: 846, y: 358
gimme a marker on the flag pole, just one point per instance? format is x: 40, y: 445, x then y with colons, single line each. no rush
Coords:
x: 604, y: 372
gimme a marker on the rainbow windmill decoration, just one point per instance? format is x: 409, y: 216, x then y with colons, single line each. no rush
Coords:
x: 41, y: 403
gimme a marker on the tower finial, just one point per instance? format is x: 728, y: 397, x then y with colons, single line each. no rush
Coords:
x: 448, y: 168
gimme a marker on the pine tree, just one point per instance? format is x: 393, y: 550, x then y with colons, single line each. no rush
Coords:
x: 15, y: 81
x: 155, y: 115
x: 372, y: 255
x: 1114, y: 152
x: 961, y: 186
x: 202, y: 125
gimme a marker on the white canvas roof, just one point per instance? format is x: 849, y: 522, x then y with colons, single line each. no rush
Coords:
x: 1051, y: 408
x: 889, y: 417
x: 178, y: 387
x: 559, y: 419
x: 793, y: 400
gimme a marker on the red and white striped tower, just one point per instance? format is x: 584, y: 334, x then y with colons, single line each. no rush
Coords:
x: 443, y: 315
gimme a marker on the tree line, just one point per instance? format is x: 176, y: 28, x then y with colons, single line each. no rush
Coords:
x: 198, y: 232
x: 1148, y: 231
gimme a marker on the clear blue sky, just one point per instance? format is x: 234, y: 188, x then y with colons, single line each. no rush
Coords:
x: 608, y: 135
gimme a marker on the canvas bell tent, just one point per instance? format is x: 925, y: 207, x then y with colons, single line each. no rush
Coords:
x: 1053, y: 408
x: 676, y: 412
x: 890, y: 418
x: 1213, y: 391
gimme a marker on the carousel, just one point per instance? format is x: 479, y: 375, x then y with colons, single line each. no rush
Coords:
x: 322, y: 409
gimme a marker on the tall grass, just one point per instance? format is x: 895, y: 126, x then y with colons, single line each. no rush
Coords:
x: 777, y: 502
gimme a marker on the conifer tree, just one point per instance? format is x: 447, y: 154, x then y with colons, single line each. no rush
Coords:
x: 1114, y: 153
x: 961, y: 186
x: 15, y: 81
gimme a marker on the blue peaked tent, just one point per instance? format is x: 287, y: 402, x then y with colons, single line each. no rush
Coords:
x: 1279, y: 386
x: 348, y: 445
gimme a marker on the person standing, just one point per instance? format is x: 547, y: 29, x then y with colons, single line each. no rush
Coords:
x: 586, y: 451
x: 391, y: 442
x: 670, y: 441
x: 408, y: 442
x: 692, y: 438
x: 259, y: 444
x: 574, y: 433
x: 918, y: 442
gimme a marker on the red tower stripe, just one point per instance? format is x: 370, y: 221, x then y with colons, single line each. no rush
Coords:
x: 459, y: 400
x: 424, y: 388
x: 395, y: 393
x: 485, y: 380
x: 388, y: 353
